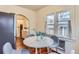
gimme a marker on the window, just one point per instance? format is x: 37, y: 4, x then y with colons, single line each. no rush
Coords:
x: 63, y: 23
x: 50, y: 24
x: 58, y: 24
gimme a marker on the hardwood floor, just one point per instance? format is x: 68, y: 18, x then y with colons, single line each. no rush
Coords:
x: 20, y: 45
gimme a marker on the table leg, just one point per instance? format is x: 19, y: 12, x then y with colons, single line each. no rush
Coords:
x: 39, y: 50
x: 48, y: 50
x: 36, y: 50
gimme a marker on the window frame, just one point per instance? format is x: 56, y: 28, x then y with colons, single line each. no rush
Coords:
x: 46, y: 22
x: 69, y: 30
x: 56, y: 22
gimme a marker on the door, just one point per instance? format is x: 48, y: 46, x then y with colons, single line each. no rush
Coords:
x: 6, y: 29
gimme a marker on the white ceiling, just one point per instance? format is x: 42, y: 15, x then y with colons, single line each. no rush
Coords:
x: 33, y: 7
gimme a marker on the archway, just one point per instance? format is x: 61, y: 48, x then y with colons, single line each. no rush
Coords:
x: 22, y: 24
x: 22, y: 30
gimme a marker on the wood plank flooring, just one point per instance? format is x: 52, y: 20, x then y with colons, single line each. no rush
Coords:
x: 20, y: 45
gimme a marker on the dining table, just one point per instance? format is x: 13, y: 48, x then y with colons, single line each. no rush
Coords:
x: 38, y: 42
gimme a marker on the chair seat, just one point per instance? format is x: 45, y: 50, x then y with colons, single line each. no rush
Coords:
x: 53, y: 45
x: 7, y: 48
x: 21, y: 51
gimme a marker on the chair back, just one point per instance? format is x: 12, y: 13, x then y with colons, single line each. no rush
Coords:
x: 7, y: 48
x: 56, y: 41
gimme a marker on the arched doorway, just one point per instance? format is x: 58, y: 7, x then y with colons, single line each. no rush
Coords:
x: 22, y: 23
x: 22, y: 30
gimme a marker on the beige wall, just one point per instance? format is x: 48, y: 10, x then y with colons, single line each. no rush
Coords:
x: 41, y: 14
x: 37, y: 18
x: 51, y: 9
x: 76, y: 26
x: 31, y: 15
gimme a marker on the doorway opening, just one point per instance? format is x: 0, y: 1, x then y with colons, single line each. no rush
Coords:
x: 22, y: 30
x: 22, y: 26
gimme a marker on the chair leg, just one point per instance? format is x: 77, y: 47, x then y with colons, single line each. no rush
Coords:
x: 48, y: 50
x: 55, y: 51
